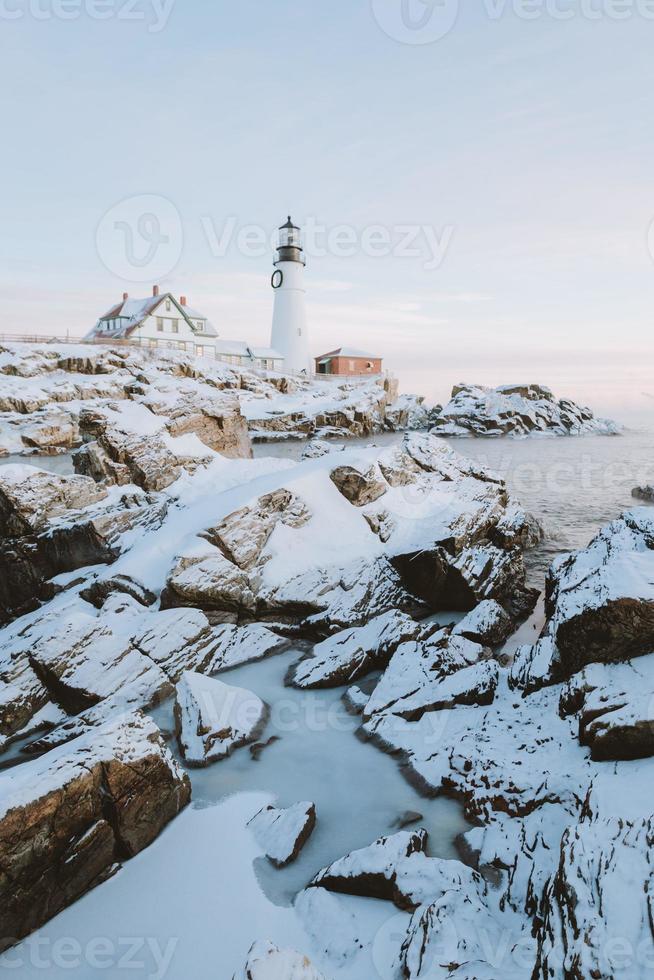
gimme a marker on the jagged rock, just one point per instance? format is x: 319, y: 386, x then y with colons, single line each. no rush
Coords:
x: 535, y: 666
x: 337, y: 597
x: 597, y: 917
x: 266, y: 962
x: 643, y: 493
x: 515, y: 410
x: 82, y: 660
x: 359, y: 488
x: 211, y: 582
x: 436, y: 673
x: 139, y: 450
x: 396, y: 869
x: 213, y: 718
x: 258, y: 747
x: 72, y: 540
x: 350, y: 654
x: 100, y: 589
x: 67, y: 819
x: 30, y: 497
x: 453, y: 937
x: 282, y: 833
x: 488, y: 624
x: 355, y: 699
x: 243, y: 535
x: 615, y: 707
x: 600, y: 601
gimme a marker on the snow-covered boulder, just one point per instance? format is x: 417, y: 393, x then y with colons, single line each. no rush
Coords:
x: 600, y: 601
x: 267, y: 962
x: 30, y: 497
x: 436, y: 673
x: 84, y: 659
x: 68, y: 818
x: 615, y: 707
x: 282, y: 833
x: 214, y: 718
x: 516, y: 410
x: 488, y: 624
x: 303, y: 553
x: 396, y: 869
x: 243, y: 535
x: 350, y: 654
x: 211, y: 581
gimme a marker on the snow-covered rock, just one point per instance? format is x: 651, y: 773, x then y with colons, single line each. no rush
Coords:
x: 615, y: 707
x: 242, y: 536
x: 488, y: 624
x: 30, y: 497
x: 436, y: 673
x: 321, y: 447
x: 350, y: 654
x: 397, y: 869
x: 267, y: 962
x: 516, y: 410
x: 359, y: 488
x: 282, y: 833
x: 68, y: 818
x: 214, y: 718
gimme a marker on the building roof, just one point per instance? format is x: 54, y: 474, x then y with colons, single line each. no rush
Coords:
x: 349, y: 352
x: 236, y: 348
x: 132, y: 312
x: 267, y: 353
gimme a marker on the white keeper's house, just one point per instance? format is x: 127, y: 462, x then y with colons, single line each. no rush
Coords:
x: 163, y: 321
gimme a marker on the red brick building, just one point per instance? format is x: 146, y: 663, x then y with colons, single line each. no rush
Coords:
x: 348, y: 361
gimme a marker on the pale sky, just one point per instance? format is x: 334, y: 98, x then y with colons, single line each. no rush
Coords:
x: 515, y: 151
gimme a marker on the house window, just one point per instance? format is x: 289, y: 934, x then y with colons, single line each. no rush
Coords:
x: 168, y: 306
x: 353, y: 365
x: 174, y: 326
x: 160, y: 324
x: 199, y: 350
x: 200, y: 325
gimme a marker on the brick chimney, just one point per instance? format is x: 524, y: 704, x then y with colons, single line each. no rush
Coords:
x: 125, y: 297
x: 182, y: 300
x: 155, y: 290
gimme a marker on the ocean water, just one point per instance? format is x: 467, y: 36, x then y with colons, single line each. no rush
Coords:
x: 61, y: 463
x: 573, y: 485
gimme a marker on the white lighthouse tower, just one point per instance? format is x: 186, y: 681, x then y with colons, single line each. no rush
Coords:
x: 290, y: 335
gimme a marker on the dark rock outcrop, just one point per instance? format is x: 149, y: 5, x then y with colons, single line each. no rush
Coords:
x: 69, y: 818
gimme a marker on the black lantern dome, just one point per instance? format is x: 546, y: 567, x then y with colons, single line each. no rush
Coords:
x: 289, y: 247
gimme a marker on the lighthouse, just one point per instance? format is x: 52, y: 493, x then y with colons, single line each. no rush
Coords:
x: 290, y: 335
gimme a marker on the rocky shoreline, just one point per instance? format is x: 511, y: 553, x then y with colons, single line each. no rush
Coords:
x: 172, y: 557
